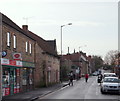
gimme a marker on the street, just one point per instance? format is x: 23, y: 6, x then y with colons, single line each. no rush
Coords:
x: 81, y: 90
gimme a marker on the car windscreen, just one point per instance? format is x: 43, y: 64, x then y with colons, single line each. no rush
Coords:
x: 112, y: 80
x: 107, y: 75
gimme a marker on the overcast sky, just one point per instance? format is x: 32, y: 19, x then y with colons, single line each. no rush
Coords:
x: 94, y: 28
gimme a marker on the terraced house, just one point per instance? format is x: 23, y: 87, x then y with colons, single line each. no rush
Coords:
x: 28, y: 61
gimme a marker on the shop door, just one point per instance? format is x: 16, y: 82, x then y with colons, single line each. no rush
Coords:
x: 11, y: 81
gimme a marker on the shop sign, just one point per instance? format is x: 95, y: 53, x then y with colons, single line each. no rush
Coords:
x: 19, y: 63
x: 7, y: 91
x: 15, y: 89
x: 4, y: 53
x: 11, y: 62
x: 28, y: 64
x: 5, y: 61
x: 17, y: 56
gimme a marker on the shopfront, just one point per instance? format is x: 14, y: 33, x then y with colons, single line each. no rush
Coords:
x: 11, y: 76
x: 28, y: 76
x: 17, y: 76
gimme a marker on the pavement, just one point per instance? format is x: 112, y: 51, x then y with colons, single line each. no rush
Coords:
x: 35, y: 94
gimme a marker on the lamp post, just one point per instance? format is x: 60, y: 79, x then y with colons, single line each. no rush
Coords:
x: 61, y: 45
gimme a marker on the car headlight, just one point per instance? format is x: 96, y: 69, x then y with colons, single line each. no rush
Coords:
x: 105, y: 85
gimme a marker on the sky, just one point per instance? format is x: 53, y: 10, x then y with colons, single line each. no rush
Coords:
x: 94, y: 28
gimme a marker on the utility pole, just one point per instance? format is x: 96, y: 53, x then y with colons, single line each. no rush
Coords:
x: 0, y: 56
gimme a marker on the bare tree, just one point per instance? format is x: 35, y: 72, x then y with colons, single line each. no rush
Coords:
x: 110, y: 57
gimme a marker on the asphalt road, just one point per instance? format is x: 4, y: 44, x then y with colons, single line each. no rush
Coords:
x: 81, y: 90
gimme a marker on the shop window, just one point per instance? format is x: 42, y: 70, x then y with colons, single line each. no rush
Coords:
x: 14, y: 41
x: 8, y: 39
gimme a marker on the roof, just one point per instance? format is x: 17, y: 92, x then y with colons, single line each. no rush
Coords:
x: 47, y: 46
x: 10, y: 23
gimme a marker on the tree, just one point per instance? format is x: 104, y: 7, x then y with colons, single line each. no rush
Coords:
x: 111, y: 57
x: 97, y: 61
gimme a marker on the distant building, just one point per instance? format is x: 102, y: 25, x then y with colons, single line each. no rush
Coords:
x: 80, y: 63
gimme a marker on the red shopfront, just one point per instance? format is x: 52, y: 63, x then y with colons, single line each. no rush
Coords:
x: 11, y: 76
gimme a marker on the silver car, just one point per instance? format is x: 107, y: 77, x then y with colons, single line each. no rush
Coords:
x: 110, y: 84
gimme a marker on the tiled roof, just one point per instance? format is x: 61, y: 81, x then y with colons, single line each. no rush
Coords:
x: 10, y: 23
x: 47, y: 46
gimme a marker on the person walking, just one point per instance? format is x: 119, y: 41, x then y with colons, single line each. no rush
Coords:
x: 71, y: 78
x: 86, y: 77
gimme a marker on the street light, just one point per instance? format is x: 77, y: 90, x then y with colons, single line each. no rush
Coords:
x: 61, y: 35
x: 61, y: 45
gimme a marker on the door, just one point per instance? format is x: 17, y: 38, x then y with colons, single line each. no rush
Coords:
x: 12, y: 73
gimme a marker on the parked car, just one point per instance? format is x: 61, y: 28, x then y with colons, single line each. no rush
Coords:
x: 110, y: 84
x: 109, y: 75
x: 95, y: 73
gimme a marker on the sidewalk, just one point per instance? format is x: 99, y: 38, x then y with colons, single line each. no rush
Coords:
x: 34, y: 94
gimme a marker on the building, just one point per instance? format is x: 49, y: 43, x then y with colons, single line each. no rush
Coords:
x: 46, y: 59
x: 18, y: 58
x: 28, y: 61
x: 79, y: 63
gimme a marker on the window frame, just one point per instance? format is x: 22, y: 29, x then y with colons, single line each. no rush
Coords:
x: 14, y: 41
x: 8, y: 39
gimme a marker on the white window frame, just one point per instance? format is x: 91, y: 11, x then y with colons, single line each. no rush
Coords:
x: 8, y: 39
x: 14, y: 41
x: 26, y: 46
x: 30, y: 48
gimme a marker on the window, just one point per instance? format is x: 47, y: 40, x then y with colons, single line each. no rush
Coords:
x: 26, y: 47
x: 8, y: 39
x: 30, y: 47
x: 14, y: 41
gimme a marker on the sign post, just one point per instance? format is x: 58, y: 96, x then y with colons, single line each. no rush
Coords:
x: 0, y: 56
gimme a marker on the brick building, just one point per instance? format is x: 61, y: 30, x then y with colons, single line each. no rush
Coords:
x: 80, y: 63
x: 28, y: 61
x: 46, y: 59
x: 18, y: 58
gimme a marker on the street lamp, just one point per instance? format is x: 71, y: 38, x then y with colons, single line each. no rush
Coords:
x: 61, y: 46
x: 61, y: 35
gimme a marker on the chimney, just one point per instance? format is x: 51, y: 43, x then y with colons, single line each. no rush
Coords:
x: 74, y: 50
x: 68, y: 50
x: 25, y: 27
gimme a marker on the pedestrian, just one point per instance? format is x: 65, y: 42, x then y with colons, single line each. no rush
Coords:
x: 86, y: 77
x: 71, y: 78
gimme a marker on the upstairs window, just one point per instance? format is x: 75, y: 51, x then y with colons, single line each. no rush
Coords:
x: 30, y: 47
x: 26, y: 49
x: 8, y: 39
x: 14, y: 41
